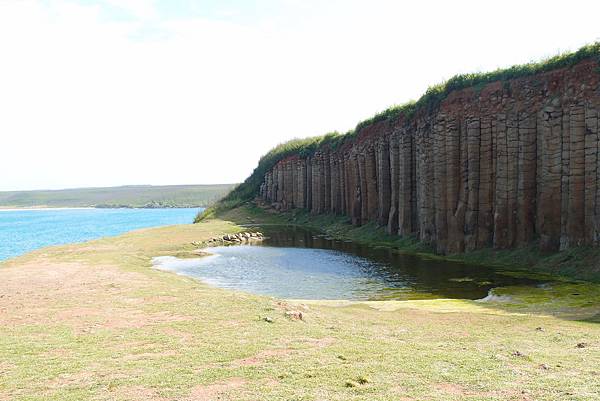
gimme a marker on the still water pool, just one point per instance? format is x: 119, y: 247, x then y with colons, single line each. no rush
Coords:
x: 299, y: 264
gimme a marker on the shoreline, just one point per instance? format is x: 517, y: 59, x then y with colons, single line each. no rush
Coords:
x: 575, y: 264
x: 42, y: 227
x: 34, y: 208
x: 18, y: 209
x: 114, y: 327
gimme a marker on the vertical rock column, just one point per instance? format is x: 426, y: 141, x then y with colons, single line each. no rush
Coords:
x: 591, y: 129
x: 440, y: 236
x: 308, y: 184
x: 336, y: 204
x: 550, y: 179
x: 424, y: 182
x: 343, y: 184
x: 363, y: 193
x: 326, y: 177
x: 355, y: 191
x: 383, y: 181
x: 527, y: 165
x: 455, y: 208
x: 288, y: 185
x: 473, y: 160
x: 392, y: 224
x: 591, y: 167
x: 576, y: 207
x: 371, y: 184
x: 485, y: 218
x: 315, y: 184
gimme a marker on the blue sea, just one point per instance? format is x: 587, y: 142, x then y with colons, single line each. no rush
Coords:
x: 22, y: 231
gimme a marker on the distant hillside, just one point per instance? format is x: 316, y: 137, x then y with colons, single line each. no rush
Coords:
x: 125, y: 196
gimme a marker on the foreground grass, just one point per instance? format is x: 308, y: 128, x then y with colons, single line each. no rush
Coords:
x: 95, y: 321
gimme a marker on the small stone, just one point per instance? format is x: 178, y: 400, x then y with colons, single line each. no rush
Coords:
x: 539, y: 329
x: 363, y: 380
x: 518, y: 353
x: 581, y: 345
x: 543, y: 366
x: 268, y: 319
x: 294, y: 315
x: 351, y: 383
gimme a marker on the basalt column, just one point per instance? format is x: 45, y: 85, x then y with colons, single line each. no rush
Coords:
x: 371, y: 184
x: 424, y: 182
x: 501, y: 195
x: 356, y: 190
x: 576, y: 205
x: 363, y: 193
x: 315, y: 184
x: 440, y: 236
x: 322, y: 185
x: 550, y: 195
x: 300, y: 201
x: 336, y: 184
x: 392, y: 224
x: 512, y: 136
x: 343, y: 181
x: 326, y: 180
x: 309, y: 183
x: 288, y: 185
x: 473, y: 161
x: 455, y: 208
x: 485, y: 218
x: 509, y: 164
x: 591, y: 171
x: 527, y: 165
x: 383, y: 181
x: 591, y: 124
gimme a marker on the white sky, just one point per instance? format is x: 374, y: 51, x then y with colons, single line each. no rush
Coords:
x: 113, y: 92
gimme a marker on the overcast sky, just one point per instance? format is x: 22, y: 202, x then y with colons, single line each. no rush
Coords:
x: 113, y: 92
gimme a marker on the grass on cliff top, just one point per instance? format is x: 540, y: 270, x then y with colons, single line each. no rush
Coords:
x: 94, y: 321
x: 429, y: 101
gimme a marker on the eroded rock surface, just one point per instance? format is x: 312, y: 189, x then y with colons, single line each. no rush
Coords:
x: 498, y: 166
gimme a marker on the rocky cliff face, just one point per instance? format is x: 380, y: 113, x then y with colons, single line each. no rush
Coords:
x: 498, y: 166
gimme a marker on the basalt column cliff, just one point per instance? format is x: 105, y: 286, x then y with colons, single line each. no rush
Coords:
x: 500, y: 165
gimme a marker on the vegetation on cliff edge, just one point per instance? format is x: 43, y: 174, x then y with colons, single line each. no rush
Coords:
x: 429, y: 101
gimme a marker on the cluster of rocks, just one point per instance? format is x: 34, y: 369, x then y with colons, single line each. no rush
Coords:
x: 233, y: 238
x: 499, y: 166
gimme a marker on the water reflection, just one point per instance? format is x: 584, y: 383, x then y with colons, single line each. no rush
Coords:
x: 297, y: 263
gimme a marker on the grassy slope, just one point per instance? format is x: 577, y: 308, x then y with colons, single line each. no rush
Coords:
x: 94, y: 321
x: 133, y: 196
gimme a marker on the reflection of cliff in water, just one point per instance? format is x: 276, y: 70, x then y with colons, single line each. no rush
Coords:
x: 444, y: 279
x: 293, y: 262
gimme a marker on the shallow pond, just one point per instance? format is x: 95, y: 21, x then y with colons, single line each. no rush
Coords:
x: 296, y: 263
